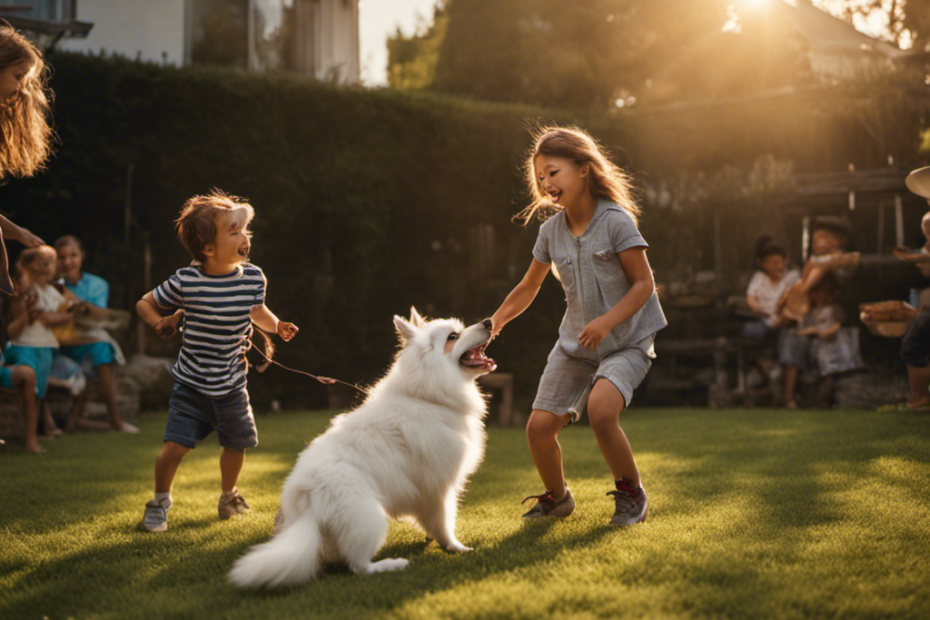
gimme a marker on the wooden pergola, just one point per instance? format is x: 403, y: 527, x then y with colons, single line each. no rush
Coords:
x: 875, y: 201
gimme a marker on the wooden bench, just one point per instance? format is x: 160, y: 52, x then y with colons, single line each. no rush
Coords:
x: 502, y: 381
x: 718, y: 350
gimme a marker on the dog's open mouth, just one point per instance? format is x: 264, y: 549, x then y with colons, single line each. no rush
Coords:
x: 475, y: 358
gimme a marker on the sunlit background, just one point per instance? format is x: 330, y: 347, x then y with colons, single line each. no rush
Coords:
x: 379, y: 19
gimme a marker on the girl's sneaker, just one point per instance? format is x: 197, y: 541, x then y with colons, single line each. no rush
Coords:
x: 232, y: 503
x: 156, y: 515
x: 546, y: 506
x: 632, y: 505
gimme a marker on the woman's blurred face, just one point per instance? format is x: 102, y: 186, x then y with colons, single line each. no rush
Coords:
x: 70, y: 259
x: 12, y: 79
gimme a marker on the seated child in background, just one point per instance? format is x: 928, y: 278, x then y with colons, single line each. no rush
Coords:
x: 833, y: 349
x: 828, y: 243
x: 32, y: 344
x: 102, y: 352
x: 767, y: 286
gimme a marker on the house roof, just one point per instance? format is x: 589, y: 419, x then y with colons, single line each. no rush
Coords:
x: 42, y: 32
x: 824, y: 33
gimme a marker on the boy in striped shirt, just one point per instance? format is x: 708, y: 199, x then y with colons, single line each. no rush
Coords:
x: 219, y: 295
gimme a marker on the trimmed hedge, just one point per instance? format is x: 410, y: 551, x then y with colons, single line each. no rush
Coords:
x: 370, y: 201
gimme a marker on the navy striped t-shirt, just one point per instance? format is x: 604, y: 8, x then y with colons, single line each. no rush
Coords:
x: 217, y: 325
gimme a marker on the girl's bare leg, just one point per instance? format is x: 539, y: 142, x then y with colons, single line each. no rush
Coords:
x: 48, y: 422
x: 791, y: 380
x: 541, y: 434
x: 76, y: 416
x: 108, y: 390
x: 24, y: 382
x: 604, y: 406
x: 919, y: 381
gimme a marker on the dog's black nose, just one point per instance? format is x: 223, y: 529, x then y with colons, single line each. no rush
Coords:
x: 487, y: 324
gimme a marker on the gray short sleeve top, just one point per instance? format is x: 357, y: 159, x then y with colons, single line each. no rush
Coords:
x: 593, y: 278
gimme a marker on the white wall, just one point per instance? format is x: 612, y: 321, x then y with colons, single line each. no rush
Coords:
x: 128, y: 27
x: 340, y: 45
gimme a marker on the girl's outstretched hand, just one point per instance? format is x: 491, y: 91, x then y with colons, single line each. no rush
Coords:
x: 593, y: 334
x: 287, y: 330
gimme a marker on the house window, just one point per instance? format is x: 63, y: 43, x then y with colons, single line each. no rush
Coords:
x: 219, y: 32
x: 47, y: 10
x: 273, y: 29
x: 253, y: 34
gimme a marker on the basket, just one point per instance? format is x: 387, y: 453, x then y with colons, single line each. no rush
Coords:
x: 889, y: 319
x: 893, y: 311
x: 888, y: 329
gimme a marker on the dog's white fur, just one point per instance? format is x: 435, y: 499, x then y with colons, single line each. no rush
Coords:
x: 407, y: 451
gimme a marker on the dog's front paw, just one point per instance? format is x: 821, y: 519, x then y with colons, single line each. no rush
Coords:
x: 458, y: 547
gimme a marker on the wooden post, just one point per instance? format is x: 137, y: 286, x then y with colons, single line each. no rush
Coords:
x: 898, y: 220
x: 881, y: 228
x: 127, y: 216
x: 805, y: 237
x: 147, y: 284
x: 718, y: 250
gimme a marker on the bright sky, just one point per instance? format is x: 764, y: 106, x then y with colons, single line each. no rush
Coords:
x: 379, y: 19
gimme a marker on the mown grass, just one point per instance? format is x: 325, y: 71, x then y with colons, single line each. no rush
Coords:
x: 754, y: 514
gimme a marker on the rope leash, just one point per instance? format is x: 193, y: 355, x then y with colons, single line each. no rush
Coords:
x: 324, y: 380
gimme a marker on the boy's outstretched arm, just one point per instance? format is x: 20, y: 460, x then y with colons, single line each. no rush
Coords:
x: 265, y: 319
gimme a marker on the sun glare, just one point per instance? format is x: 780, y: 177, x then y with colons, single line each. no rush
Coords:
x: 756, y: 4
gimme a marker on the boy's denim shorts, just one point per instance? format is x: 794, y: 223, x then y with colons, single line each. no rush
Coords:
x: 192, y: 416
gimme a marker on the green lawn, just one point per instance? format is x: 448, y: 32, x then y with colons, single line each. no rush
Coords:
x: 753, y: 514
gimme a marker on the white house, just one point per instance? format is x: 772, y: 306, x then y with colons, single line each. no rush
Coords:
x: 313, y: 37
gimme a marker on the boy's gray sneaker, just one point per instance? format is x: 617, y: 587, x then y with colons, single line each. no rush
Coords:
x: 632, y: 505
x: 546, y: 506
x: 232, y: 504
x: 156, y: 515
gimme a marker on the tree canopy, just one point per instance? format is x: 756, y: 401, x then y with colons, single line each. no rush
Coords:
x: 599, y: 54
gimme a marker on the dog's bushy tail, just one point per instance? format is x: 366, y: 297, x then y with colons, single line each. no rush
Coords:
x: 292, y: 557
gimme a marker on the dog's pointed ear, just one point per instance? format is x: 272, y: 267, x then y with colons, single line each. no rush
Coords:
x: 405, y: 330
x: 415, y: 318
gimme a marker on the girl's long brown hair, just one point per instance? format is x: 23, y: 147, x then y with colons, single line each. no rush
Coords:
x: 25, y: 134
x: 607, y: 180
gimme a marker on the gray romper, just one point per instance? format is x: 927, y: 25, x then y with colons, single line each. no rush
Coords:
x: 594, y: 281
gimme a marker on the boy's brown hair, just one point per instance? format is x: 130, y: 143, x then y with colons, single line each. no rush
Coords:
x: 196, y: 225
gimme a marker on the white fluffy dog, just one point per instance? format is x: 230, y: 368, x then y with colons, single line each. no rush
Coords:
x: 406, y: 452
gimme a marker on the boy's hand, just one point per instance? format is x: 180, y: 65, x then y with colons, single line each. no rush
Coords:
x: 287, y: 330
x: 168, y: 326
x: 593, y: 334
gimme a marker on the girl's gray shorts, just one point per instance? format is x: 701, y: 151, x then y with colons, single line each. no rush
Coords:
x: 567, y: 381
